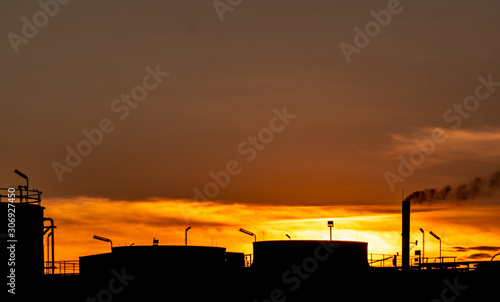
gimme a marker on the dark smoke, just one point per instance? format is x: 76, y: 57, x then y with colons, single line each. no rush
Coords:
x: 479, y: 187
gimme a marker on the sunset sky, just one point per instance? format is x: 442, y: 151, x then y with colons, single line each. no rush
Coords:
x: 276, y: 115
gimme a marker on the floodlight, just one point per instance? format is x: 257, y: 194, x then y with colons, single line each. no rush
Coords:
x: 104, y: 239
x: 248, y: 233
x: 437, y: 237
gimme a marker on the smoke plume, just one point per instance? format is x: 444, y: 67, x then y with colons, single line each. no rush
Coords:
x: 479, y: 187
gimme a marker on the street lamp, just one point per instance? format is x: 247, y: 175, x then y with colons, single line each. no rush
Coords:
x: 288, y: 236
x: 104, y: 239
x: 423, y: 243
x: 437, y: 237
x: 27, y: 182
x: 249, y: 233
x: 186, y: 235
x: 330, y: 225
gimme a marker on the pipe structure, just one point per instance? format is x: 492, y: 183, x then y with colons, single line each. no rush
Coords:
x: 494, y: 256
x: 51, y: 234
x: 423, y: 243
x: 186, y: 236
x: 405, y: 253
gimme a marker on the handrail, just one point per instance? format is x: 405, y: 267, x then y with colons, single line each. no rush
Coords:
x: 23, y: 195
x: 63, y: 268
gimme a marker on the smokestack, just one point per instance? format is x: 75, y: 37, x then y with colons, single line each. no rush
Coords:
x: 406, y: 235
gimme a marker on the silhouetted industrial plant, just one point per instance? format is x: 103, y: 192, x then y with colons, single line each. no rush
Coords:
x: 283, y: 270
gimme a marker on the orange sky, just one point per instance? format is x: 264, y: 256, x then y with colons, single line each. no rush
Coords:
x: 352, y: 121
x: 225, y: 79
x: 77, y: 220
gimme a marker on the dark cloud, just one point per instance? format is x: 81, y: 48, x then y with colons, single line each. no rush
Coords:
x: 479, y: 187
x: 476, y: 248
x: 173, y: 222
x: 479, y: 256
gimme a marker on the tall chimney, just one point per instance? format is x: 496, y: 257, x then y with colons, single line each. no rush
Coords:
x: 406, y: 236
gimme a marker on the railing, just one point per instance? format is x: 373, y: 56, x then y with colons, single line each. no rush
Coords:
x: 248, y: 260
x: 67, y: 267
x: 383, y: 260
x: 418, y: 263
x: 21, y: 195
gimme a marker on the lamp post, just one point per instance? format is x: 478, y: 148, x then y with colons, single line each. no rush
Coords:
x: 437, y: 237
x: 186, y: 235
x: 248, y: 233
x: 27, y: 183
x: 330, y: 225
x: 423, y: 243
x: 104, y: 239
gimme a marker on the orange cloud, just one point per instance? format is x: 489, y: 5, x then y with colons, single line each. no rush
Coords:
x: 461, y: 144
x: 214, y: 223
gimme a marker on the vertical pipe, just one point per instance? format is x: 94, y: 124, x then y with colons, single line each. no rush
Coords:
x: 423, y: 246
x: 53, y: 259
x: 51, y: 234
x: 406, y: 235
x: 440, y: 251
x: 46, y: 270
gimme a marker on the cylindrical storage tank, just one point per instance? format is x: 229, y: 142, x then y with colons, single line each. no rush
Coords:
x: 166, y: 272
x: 280, y: 255
x: 25, y: 254
x: 308, y: 270
x: 235, y: 260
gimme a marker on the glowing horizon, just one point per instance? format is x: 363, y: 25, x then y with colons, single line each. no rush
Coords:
x: 217, y: 224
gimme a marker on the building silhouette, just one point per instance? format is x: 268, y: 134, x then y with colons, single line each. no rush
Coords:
x: 283, y: 270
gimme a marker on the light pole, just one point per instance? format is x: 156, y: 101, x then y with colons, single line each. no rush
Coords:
x: 330, y: 225
x: 437, y: 237
x: 186, y: 235
x: 423, y: 243
x: 104, y: 239
x: 27, y: 183
x: 248, y: 233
